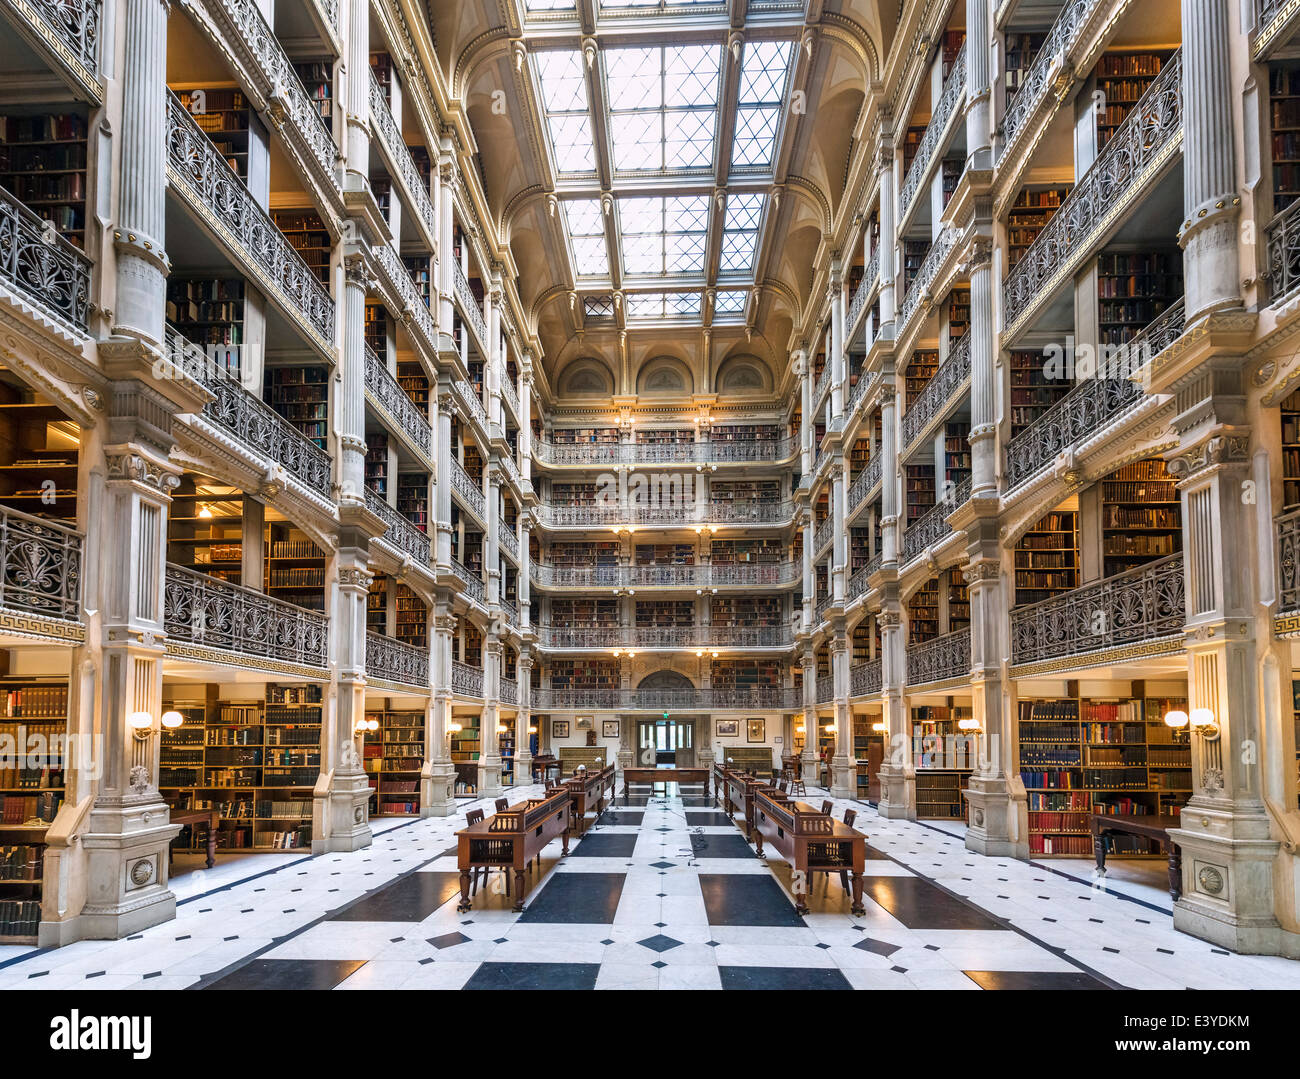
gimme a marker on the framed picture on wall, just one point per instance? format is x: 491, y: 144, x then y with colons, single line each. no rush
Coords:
x: 755, y: 730
x: 609, y: 728
x: 559, y: 728
x: 728, y: 728
x: 584, y: 723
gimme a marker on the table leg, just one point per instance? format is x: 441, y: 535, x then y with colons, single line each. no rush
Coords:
x: 1099, y: 851
x: 857, y: 907
x: 564, y: 844
x: 464, y: 903
x: 758, y: 842
x: 1175, y: 872
x: 519, y: 889
x: 212, y: 845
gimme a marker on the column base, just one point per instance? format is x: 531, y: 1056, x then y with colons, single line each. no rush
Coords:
x: 990, y: 811
x: 844, y: 777
x: 624, y: 760
x: 897, y: 793
x: 489, y: 779
x: 437, y: 784
x: 523, y: 769
x: 341, y: 821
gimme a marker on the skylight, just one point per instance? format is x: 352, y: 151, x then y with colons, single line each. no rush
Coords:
x: 587, y: 236
x: 549, y: 5
x: 663, y: 104
x: 568, y: 115
x: 730, y: 301
x: 663, y: 305
x: 664, y: 235
x: 763, y: 75
x: 740, y: 232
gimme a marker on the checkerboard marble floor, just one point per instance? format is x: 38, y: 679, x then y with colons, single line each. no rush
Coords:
x: 662, y: 893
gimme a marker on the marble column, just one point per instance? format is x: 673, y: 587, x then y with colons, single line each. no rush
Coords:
x: 839, y: 529
x: 446, y: 180
x: 839, y: 375
x: 489, y: 763
x: 897, y: 772
x: 984, y: 379
x: 810, y: 753
x: 524, y: 718
x: 438, y: 776
x: 888, y: 242
x: 979, y: 154
x: 803, y: 371
x: 442, y: 485
x: 525, y: 418
x: 350, y: 407
x: 844, y: 771
x: 356, y: 103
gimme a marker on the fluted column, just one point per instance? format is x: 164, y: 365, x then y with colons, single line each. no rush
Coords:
x: 803, y: 372
x: 525, y: 418
x: 889, y: 493
x: 897, y: 773
x: 888, y: 241
x: 356, y: 101
x: 446, y: 179
x: 844, y: 772
x: 1211, y: 204
x: 442, y: 487
x: 839, y: 376
x: 809, y: 754
x: 489, y: 763
x: 978, y: 88
x: 839, y: 528
x: 983, y: 385
x: 350, y: 407
x: 492, y: 541
x: 523, y: 590
x: 809, y: 573
x: 139, y: 233
x: 438, y: 775
x: 523, y: 718
x: 494, y: 368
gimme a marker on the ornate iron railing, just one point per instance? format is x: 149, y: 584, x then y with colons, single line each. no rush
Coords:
x: 866, y: 678
x: 254, y: 423
x: 717, y: 574
x: 402, y: 534
x: 954, y: 89
x: 41, y: 264
x: 657, y: 700
x: 387, y: 392
x: 42, y: 567
x: 468, y: 491
x: 510, y: 610
x: 822, y: 536
x: 1282, y: 239
x: 865, y: 288
x: 76, y: 24
x: 940, y: 659
x: 1035, y: 82
x: 509, y: 691
x: 823, y: 383
x: 412, y: 301
x: 1143, y: 604
x: 474, y: 587
x: 867, y: 480
x: 600, y: 637
x: 860, y: 390
x: 466, y: 681
x: 470, y: 307
x: 195, y: 163
x: 511, y: 398
x: 468, y: 396
x: 205, y: 611
x: 396, y: 661
x: 1119, y: 171
x: 597, y: 514
x: 381, y: 117
x: 1287, y: 529
x: 511, y: 470
x: 642, y: 453
x: 953, y: 373
x: 823, y: 605
x: 926, y: 531
x: 507, y: 538
x: 925, y: 274
x: 856, y: 586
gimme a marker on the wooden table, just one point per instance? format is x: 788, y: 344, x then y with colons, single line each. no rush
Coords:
x: 544, y: 766
x: 736, y: 790
x: 510, y: 839
x: 1149, y: 826
x: 200, y: 816
x: 587, y: 789
x: 666, y: 775
x: 812, y: 842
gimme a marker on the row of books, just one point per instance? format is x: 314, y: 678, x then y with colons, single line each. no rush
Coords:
x: 36, y: 702
x: 19, y: 918
x: 22, y: 861
x: 30, y: 808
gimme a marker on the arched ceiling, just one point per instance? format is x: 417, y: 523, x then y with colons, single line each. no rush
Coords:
x: 665, y: 177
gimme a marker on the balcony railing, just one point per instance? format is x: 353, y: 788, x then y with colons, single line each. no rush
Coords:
x: 511, y: 470
x: 254, y: 423
x: 925, y: 275
x: 469, y: 399
x: 953, y: 373
x: 1287, y: 528
x: 507, y: 538
x: 865, y: 287
x: 399, y: 156
x: 930, y: 529
x: 706, y: 451
x: 769, y: 698
x: 466, y: 681
x: 470, y: 306
x: 1035, y: 83
x: 1282, y: 237
x: 509, y: 609
x: 1144, y: 604
x: 412, y: 302
x: 592, y: 637
x: 865, y: 678
x: 598, y: 514
x: 402, y: 534
x: 396, y: 661
x: 205, y: 611
x: 940, y: 659
x: 474, y: 587
x: 404, y: 413
x: 867, y: 480
x: 195, y: 163
x: 954, y: 89
x: 512, y: 399
x: 1122, y: 171
x: 715, y: 575
x: 860, y: 389
x: 1085, y: 410
x: 823, y: 384
x: 509, y: 691
x: 39, y: 263
x: 466, y: 489
x: 41, y: 567
x: 823, y: 605
x: 75, y: 23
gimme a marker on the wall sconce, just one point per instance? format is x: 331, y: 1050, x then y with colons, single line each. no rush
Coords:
x: 141, y: 724
x: 363, y: 725
x: 1177, y: 721
x: 205, y: 512
x: 699, y: 653
x: 171, y: 720
x: 879, y: 727
x: 800, y: 729
x: 971, y: 725
x: 503, y: 728
x: 532, y: 729
x: 1202, y: 721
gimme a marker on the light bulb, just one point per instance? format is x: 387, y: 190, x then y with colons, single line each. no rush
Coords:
x: 140, y: 721
x: 205, y: 512
x: 171, y: 720
x: 881, y: 727
x: 1202, y: 717
x: 1176, y: 719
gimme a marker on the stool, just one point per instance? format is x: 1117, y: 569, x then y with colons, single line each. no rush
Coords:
x: 797, y: 788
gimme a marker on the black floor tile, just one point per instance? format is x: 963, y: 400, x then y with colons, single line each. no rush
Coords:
x: 728, y: 845
x: 706, y: 818
x: 623, y: 818
x: 878, y: 855
x: 918, y: 904
x: 746, y: 899
x: 409, y: 899
x: 1033, y: 979
x: 588, y: 898
x: 696, y: 802
x: 534, y: 976
x: 289, y: 974
x: 605, y: 845
x: 782, y: 978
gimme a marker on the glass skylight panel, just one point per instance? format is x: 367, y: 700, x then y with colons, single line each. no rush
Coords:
x: 598, y: 307
x: 587, y: 236
x: 664, y: 235
x: 549, y: 5
x: 740, y: 232
x: 763, y: 75
x: 729, y: 301
x: 663, y: 104
x: 568, y: 116
x: 663, y: 305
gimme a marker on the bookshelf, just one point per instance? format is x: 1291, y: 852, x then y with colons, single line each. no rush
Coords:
x: 943, y: 760
x: 377, y: 462
x: 911, y: 140
x: 956, y: 452
x: 43, y: 164
x: 746, y: 432
x: 211, y: 544
x: 38, y: 446
x: 958, y: 315
x: 413, y: 379
x: 1284, y: 131
x: 1123, y: 78
x: 32, y: 714
x: 575, y: 436
x: 382, y: 66
x: 920, y: 491
x: 736, y: 492
x: 921, y: 368
x: 394, y: 755
x: 1133, y: 289
x: 869, y: 752
x: 667, y: 436
x: 958, y: 601
x: 1295, y: 720
x: 951, y: 45
x: 666, y: 613
x: 1035, y: 206
x: 744, y: 673
x: 914, y: 252
x: 727, y: 552
x: 295, y: 567
x: 950, y: 170
x: 585, y: 674
x: 1047, y: 558
x: 923, y: 613
x: 209, y: 311
x: 377, y: 605
x: 418, y: 267
x: 1290, y: 419
x: 307, y: 235
x: 1020, y: 51
x: 1141, y: 519
x: 301, y: 395
x: 318, y: 80
x: 1032, y: 392
x: 598, y: 613
x: 256, y: 763
x: 762, y: 611
x: 466, y: 748
x: 664, y: 554
x: 571, y: 554
x: 377, y: 330
x: 412, y: 618
x: 413, y: 498
x: 222, y: 114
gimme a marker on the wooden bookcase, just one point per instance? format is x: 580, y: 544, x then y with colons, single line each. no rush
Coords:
x: 573, y: 436
x: 664, y: 554
x: 301, y: 395
x: 413, y: 498
x: 318, y: 80
x: 412, y: 618
x: 206, y: 544
x: 746, y: 432
x: 222, y: 114
x: 466, y: 747
x: 672, y: 613
x: 1123, y: 78
x: 914, y: 252
x: 377, y: 330
x: 295, y: 567
x: 568, y: 554
x: 38, y: 446
x: 209, y: 311
x: 956, y: 451
x: 1020, y: 51
x: 920, y: 491
x: 1141, y: 517
x: 377, y: 462
x: 923, y: 613
x: 571, y: 613
x: 1047, y: 558
x: 377, y: 605
x: 1035, y: 206
x: 1284, y: 130
x: 43, y: 165
x: 394, y: 755
x: 869, y: 752
x: 958, y: 601
x: 911, y: 140
x: 958, y: 315
x: 1032, y: 392
x: 727, y: 552
x: 585, y: 674
x: 1133, y: 288
x: 921, y: 368
x: 950, y: 170
x: 743, y: 673
x: 762, y: 611
x: 307, y: 234
x: 943, y: 759
x: 737, y: 492
x: 1291, y: 450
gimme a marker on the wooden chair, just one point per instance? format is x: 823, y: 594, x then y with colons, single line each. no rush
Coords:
x: 850, y: 815
x: 782, y: 784
x: 796, y: 786
x: 827, y: 806
x: 472, y: 817
x: 502, y: 805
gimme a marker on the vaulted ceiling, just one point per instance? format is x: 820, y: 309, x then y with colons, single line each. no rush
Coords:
x: 665, y: 175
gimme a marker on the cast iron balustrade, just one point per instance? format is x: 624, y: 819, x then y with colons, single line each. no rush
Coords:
x: 1143, y: 604
x: 659, y: 700
x: 511, y: 398
x: 824, y: 533
x: 865, y: 678
x: 1034, y: 84
x: 823, y: 383
x: 42, y: 567
x: 928, y: 530
x: 860, y: 388
x: 865, y: 287
x: 402, y: 534
x: 41, y: 264
x: 388, y: 394
x: 466, y: 681
x: 1282, y: 237
x: 76, y: 24
x: 825, y: 690
x: 399, y: 156
x: 1287, y: 528
x: 205, y: 611
x: 823, y: 605
x: 1121, y: 171
x: 954, y: 89
x: 867, y: 480
x: 469, y: 399
x: 953, y: 374
x: 509, y: 691
x: 396, y: 661
x: 398, y: 277
x: 698, y: 637
x: 468, y: 491
x: 251, y: 421
x: 507, y: 538
x: 196, y: 164
x: 470, y: 307
x: 643, y: 453
x: 474, y: 587
x: 939, y: 659
x: 925, y: 274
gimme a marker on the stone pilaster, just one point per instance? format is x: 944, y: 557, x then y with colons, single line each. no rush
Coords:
x: 839, y: 374
x: 897, y: 772
x: 844, y: 772
x: 523, y: 718
x: 350, y: 407
x: 984, y: 382
x: 442, y: 486
x: 356, y: 102
x: 978, y: 88
x: 810, y: 750
x: 489, y: 762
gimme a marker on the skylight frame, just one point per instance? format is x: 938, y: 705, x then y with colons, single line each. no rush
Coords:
x: 566, y: 109
x: 761, y: 103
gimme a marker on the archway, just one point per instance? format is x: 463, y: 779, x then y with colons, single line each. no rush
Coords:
x: 669, y: 738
